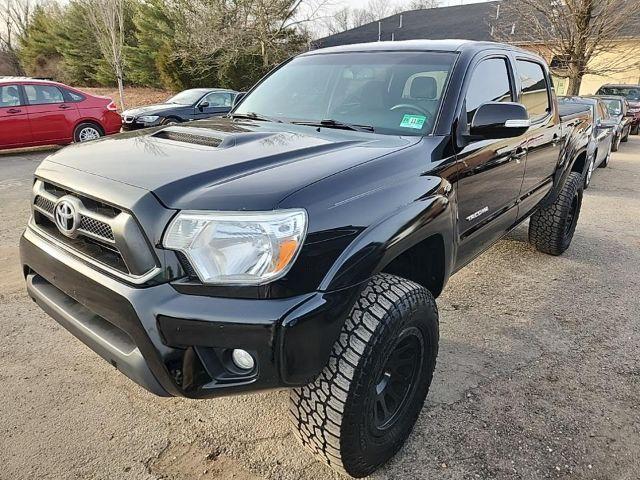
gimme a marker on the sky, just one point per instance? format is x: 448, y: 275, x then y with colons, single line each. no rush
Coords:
x: 338, y: 4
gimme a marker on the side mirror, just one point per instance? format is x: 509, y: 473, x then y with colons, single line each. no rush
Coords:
x: 500, y: 120
x: 203, y: 105
x: 238, y: 98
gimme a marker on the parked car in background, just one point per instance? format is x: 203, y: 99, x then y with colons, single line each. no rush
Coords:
x: 602, y: 131
x: 193, y: 104
x: 41, y: 112
x: 618, y: 108
x: 632, y: 94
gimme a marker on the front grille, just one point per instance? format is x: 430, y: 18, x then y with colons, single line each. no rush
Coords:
x: 44, y: 203
x: 90, y: 225
x: 96, y: 227
x: 99, y: 232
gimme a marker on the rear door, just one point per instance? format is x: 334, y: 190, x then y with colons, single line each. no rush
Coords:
x: 213, y: 104
x: 14, y: 121
x: 544, y: 135
x: 491, y: 170
x: 52, y: 119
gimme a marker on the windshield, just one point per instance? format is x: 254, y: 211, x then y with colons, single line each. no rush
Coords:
x: 188, y: 97
x: 630, y: 93
x: 614, y: 106
x: 396, y: 93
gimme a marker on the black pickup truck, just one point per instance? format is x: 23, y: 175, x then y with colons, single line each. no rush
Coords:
x: 300, y: 242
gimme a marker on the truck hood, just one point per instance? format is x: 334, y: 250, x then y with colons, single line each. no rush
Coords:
x: 227, y: 164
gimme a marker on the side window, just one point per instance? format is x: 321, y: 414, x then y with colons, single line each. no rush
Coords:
x: 218, y: 99
x: 42, y: 94
x: 535, y: 96
x: 489, y: 83
x: 9, y: 96
x: 73, y: 96
x: 604, y: 111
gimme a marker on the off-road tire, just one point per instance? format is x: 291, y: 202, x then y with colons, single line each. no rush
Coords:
x: 338, y: 417
x: 551, y: 227
x: 80, y: 135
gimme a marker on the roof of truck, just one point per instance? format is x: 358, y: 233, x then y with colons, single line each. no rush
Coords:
x: 445, y: 45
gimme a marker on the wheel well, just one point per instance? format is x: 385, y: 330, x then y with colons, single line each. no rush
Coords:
x: 580, y: 164
x: 92, y: 122
x: 423, y: 263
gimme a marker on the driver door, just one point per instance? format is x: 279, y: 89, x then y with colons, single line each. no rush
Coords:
x: 491, y: 170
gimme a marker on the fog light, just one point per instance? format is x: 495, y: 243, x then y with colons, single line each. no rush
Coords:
x: 242, y: 359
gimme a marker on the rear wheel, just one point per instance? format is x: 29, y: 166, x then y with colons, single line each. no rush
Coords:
x: 87, y: 131
x: 551, y: 228
x: 359, y: 411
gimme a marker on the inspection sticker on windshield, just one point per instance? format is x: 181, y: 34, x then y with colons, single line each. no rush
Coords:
x: 413, y: 121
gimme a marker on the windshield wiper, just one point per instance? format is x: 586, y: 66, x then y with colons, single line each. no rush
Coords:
x: 330, y: 123
x: 254, y: 116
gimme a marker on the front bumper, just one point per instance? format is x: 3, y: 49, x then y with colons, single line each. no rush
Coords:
x: 133, y: 124
x: 175, y: 344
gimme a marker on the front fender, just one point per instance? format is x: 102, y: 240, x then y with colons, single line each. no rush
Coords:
x: 379, y: 244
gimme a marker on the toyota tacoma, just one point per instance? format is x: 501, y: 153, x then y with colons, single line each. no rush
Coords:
x: 300, y: 242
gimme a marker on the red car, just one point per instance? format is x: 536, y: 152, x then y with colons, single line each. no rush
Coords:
x: 40, y: 112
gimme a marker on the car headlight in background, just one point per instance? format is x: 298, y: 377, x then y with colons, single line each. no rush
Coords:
x: 240, y: 248
x: 148, y: 118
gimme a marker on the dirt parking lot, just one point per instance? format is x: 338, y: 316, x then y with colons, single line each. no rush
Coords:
x: 538, y: 375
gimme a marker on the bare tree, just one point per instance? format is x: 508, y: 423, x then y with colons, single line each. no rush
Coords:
x: 423, y: 4
x: 14, y: 15
x: 107, y: 19
x: 339, y: 21
x: 579, y: 35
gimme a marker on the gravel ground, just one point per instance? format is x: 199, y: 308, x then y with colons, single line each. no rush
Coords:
x: 538, y: 375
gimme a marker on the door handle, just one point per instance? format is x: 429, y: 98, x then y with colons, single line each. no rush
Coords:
x: 14, y: 110
x: 518, y: 154
x: 64, y: 107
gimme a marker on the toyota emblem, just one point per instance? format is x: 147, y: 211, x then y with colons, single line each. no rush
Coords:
x: 66, y: 217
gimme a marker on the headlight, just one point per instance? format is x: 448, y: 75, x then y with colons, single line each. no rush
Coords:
x: 241, y: 248
x: 148, y: 118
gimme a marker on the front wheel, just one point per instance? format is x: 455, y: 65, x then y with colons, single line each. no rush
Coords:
x: 87, y: 131
x: 605, y: 162
x: 551, y: 227
x: 360, y: 410
x: 615, y: 145
x: 625, y: 138
x: 590, y: 168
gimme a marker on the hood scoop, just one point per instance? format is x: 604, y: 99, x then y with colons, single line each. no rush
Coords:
x: 188, y: 137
